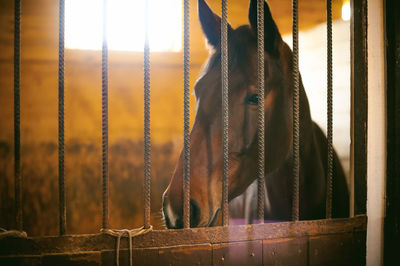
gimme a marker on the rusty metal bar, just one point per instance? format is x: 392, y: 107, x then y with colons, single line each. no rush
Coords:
x: 225, y: 107
x: 296, y: 113
x: 104, y: 111
x: 329, y: 107
x: 186, y: 115
x: 61, y: 163
x: 359, y: 100
x: 17, y: 115
x: 261, y: 120
x: 147, y: 140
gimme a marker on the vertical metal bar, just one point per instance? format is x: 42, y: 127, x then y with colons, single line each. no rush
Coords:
x: 261, y: 122
x: 329, y: 107
x: 147, y: 140
x: 104, y: 111
x: 186, y: 116
x: 61, y: 168
x: 225, y: 108
x: 17, y: 115
x: 359, y: 99
x: 296, y: 114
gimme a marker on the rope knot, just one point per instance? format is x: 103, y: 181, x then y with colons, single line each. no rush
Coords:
x: 130, y: 233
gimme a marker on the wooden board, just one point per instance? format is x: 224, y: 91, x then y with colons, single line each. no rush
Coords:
x: 321, y: 242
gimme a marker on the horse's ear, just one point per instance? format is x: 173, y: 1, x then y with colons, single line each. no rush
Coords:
x: 272, y: 37
x: 210, y: 23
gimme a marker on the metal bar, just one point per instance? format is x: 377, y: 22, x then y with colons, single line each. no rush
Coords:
x: 147, y: 140
x: 17, y: 115
x: 296, y: 114
x: 359, y: 99
x: 329, y: 107
x: 186, y: 116
x: 261, y: 120
x: 61, y: 163
x: 104, y: 111
x: 225, y: 108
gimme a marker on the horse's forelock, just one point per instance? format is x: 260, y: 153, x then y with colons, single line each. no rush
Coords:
x: 241, y: 52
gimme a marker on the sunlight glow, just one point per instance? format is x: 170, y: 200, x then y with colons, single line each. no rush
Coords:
x: 125, y: 25
x: 346, y: 11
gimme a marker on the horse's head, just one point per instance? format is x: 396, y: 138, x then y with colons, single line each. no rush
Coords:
x: 206, y: 134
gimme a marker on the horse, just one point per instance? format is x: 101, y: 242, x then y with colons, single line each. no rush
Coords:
x: 206, y: 132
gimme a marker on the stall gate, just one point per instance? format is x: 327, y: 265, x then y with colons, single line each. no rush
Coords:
x: 318, y: 242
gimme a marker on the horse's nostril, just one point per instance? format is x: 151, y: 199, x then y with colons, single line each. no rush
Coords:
x: 195, y: 213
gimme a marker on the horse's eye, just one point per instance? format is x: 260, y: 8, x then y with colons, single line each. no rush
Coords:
x: 252, y: 99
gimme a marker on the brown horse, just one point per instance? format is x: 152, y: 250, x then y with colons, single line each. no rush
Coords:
x: 206, y: 137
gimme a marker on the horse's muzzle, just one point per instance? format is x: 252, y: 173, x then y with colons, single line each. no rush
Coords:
x: 174, y: 218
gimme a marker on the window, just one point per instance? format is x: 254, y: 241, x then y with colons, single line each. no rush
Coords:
x: 125, y: 24
x: 346, y: 11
